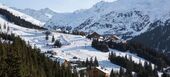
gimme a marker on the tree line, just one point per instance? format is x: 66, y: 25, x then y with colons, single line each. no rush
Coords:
x: 17, y: 20
x: 100, y: 45
x: 156, y: 57
x: 145, y: 70
x: 91, y: 63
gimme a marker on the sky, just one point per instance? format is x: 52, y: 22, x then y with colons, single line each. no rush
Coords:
x: 56, y: 5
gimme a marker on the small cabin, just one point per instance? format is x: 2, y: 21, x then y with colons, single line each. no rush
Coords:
x: 110, y: 37
x: 97, y: 72
x: 94, y: 35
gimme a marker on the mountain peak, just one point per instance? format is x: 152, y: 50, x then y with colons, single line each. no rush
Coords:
x: 42, y: 15
x: 47, y: 10
x: 121, y: 17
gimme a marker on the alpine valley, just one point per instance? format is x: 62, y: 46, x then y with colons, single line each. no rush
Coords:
x: 123, y: 38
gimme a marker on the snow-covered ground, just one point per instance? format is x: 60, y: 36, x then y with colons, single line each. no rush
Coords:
x: 76, y: 46
x: 81, y: 48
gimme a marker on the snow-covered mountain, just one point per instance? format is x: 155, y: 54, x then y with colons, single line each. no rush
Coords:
x: 75, y: 45
x: 42, y: 15
x: 21, y: 15
x: 125, y: 18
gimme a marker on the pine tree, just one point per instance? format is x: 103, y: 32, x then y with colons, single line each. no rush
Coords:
x: 96, y: 62
x: 121, y: 72
x: 46, y: 37
x: 8, y: 29
x: 47, y: 33
x: 4, y: 26
x: 75, y: 72
x: 112, y: 74
x: 91, y: 63
x: 155, y: 73
x: 87, y: 62
x: 58, y: 44
x: 53, y: 39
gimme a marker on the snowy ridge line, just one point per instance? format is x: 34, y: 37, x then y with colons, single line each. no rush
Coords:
x: 42, y: 15
x: 127, y: 18
x: 22, y: 16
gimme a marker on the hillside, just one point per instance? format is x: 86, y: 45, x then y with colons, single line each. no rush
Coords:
x: 19, y: 18
x: 79, y: 46
x: 28, y: 49
x: 158, y: 38
x: 21, y: 15
x: 123, y: 18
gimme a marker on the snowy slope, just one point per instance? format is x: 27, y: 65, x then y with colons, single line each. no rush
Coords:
x: 125, y: 18
x: 36, y: 37
x: 42, y: 15
x: 79, y: 46
x: 22, y: 15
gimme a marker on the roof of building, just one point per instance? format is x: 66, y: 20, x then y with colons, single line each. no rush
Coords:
x: 103, y: 70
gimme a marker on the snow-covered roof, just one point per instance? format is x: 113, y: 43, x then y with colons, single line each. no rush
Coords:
x: 103, y: 70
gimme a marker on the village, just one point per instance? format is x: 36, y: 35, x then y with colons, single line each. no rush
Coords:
x: 83, y: 67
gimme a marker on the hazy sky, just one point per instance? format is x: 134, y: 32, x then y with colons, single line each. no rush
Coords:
x: 56, y: 5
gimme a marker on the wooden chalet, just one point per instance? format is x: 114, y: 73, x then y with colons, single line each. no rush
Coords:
x: 110, y: 37
x: 97, y: 72
x: 94, y: 35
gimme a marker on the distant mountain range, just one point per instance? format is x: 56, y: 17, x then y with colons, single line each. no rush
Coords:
x: 42, y: 15
x: 124, y: 18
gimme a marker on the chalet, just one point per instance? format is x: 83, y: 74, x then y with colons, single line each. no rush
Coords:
x: 76, y: 32
x: 76, y: 62
x: 94, y: 35
x: 98, y: 72
x: 110, y: 37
